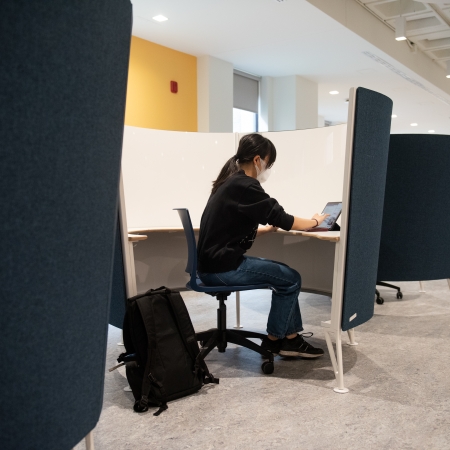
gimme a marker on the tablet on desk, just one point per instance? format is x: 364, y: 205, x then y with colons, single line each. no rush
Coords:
x: 334, y: 210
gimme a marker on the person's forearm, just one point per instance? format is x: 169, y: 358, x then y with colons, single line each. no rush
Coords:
x: 303, y: 224
x: 265, y: 230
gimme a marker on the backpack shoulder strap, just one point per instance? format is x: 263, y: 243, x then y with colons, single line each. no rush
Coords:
x: 146, y: 309
x: 187, y: 333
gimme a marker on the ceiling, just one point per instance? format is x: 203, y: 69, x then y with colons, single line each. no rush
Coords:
x: 278, y: 38
x: 427, y: 23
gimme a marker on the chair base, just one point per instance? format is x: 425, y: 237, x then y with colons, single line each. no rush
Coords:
x: 219, y: 337
x: 380, y: 300
x: 214, y: 337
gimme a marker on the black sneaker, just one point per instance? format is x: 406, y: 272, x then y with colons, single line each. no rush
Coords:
x: 271, y: 346
x: 299, y: 347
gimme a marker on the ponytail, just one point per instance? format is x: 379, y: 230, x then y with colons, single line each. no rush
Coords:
x: 250, y: 145
x: 228, y: 169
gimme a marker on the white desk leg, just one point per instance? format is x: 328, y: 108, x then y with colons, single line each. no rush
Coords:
x: 421, y: 287
x: 238, y: 310
x: 335, y: 324
x: 89, y: 440
x: 130, y: 275
x: 351, y: 337
x: 331, y: 352
x: 121, y: 342
x: 340, y: 375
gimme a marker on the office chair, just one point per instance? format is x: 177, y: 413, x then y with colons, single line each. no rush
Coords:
x: 379, y: 299
x: 220, y: 336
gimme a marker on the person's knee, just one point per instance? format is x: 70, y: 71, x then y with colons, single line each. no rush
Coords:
x: 296, y: 278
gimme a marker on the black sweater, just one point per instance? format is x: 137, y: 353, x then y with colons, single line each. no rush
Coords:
x: 230, y: 221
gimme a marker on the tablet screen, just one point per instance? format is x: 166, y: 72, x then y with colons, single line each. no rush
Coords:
x: 334, y: 210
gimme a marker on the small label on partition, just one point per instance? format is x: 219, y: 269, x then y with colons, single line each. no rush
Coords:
x: 353, y: 317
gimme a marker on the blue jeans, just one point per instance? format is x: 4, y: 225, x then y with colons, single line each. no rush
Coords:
x: 284, y: 317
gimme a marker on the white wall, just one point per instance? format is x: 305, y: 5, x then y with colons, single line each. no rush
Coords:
x: 295, y: 103
x: 265, y: 114
x: 307, y: 103
x: 284, y: 103
x: 214, y: 95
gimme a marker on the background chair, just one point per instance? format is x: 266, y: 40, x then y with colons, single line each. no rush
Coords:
x: 380, y: 300
x: 220, y: 336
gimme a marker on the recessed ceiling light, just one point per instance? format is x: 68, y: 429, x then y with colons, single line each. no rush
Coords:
x: 414, y: 124
x: 334, y: 92
x: 431, y: 131
x: 160, y: 18
x: 394, y: 116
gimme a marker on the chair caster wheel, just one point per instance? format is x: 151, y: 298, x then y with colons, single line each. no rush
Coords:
x: 380, y: 300
x: 399, y: 295
x: 267, y: 367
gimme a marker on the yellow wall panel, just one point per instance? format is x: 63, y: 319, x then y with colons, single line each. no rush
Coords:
x: 150, y: 104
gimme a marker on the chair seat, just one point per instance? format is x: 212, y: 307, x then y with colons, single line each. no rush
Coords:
x: 201, y: 287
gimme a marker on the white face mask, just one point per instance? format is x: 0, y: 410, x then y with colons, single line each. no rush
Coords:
x: 262, y: 174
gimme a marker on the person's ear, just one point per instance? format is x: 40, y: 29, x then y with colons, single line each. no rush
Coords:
x: 256, y: 159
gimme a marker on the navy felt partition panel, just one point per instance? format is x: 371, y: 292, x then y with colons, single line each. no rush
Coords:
x: 370, y: 153
x: 415, y: 237
x: 63, y: 77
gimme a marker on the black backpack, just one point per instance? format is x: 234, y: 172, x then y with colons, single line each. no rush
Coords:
x: 163, y: 360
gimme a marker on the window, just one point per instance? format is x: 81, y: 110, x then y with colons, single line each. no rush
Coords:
x: 244, y: 121
x: 245, y: 102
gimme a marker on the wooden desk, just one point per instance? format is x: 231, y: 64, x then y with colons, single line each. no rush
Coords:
x: 136, y: 237
x: 332, y: 236
x: 324, y: 235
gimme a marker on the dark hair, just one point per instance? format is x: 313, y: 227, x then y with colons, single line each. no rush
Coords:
x: 250, y: 145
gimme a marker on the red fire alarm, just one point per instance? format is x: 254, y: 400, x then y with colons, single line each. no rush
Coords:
x: 173, y: 87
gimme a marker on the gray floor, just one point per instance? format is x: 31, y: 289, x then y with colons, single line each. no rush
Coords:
x: 399, y: 386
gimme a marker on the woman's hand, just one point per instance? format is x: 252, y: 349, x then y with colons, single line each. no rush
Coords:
x: 320, y: 218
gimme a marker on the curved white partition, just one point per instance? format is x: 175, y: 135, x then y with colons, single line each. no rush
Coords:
x: 309, y: 170
x: 163, y: 170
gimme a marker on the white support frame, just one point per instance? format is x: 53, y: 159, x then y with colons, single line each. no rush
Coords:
x: 128, y: 254
x: 238, y: 310
x: 334, y: 325
x: 89, y: 440
x: 421, y: 286
x: 238, y: 295
x: 127, y: 246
